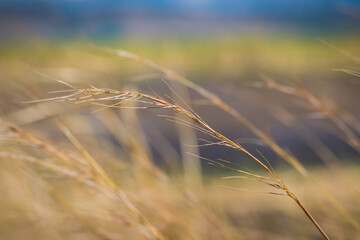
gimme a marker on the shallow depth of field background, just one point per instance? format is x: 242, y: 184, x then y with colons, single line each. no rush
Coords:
x: 251, y: 54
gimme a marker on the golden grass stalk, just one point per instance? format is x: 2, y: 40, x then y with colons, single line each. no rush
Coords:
x: 348, y: 71
x: 300, y: 91
x: 101, y: 97
x: 242, y: 119
x: 342, y: 51
x: 87, y: 171
x: 131, y: 137
x: 20, y: 159
x: 313, y: 142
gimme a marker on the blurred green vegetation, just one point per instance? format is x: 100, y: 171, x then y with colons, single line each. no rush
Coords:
x: 230, y: 58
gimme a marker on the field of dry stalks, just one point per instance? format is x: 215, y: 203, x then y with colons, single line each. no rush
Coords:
x: 102, y: 143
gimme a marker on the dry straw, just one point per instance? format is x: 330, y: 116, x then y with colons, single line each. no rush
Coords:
x: 85, y: 170
x: 108, y: 98
x: 294, y: 162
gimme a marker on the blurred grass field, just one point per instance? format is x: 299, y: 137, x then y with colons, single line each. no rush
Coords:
x: 214, y: 58
x: 51, y: 189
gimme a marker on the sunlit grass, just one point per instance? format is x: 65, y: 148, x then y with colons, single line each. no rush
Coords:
x: 107, y: 167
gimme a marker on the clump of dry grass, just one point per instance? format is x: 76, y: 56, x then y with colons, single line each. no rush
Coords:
x: 155, y: 211
x: 83, y: 169
x: 109, y: 98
